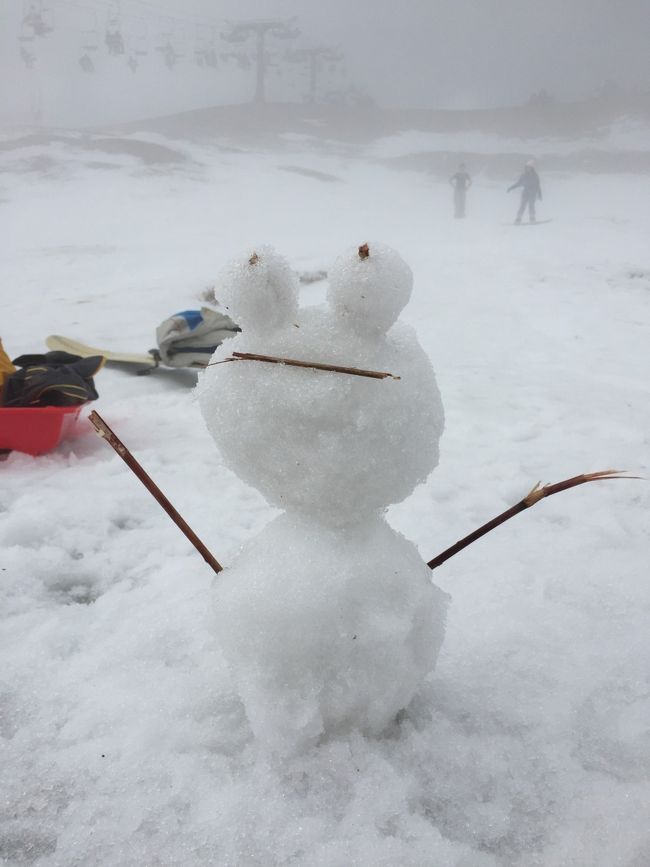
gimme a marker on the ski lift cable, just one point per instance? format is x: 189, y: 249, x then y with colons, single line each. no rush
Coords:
x: 76, y: 16
x: 95, y: 7
x: 96, y: 11
x: 66, y: 12
x: 62, y: 22
x: 87, y: 6
x: 192, y: 18
x: 156, y: 13
x: 148, y: 15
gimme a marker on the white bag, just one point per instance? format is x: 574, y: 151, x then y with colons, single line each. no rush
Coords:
x: 189, y: 338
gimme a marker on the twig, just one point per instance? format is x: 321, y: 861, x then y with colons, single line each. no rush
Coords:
x: 292, y: 362
x: 106, y: 433
x: 538, y: 493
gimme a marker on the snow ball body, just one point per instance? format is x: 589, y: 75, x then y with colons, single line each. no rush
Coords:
x: 369, y: 288
x: 331, y: 445
x: 325, y: 629
x: 259, y: 289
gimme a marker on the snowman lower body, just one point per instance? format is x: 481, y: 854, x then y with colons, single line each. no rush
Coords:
x: 327, y: 629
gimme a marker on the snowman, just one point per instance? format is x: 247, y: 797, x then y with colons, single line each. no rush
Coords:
x: 328, y: 619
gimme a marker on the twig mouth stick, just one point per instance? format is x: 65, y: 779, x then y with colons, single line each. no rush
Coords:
x: 313, y: 365
x: 107, y: 434
x: 538, y: 493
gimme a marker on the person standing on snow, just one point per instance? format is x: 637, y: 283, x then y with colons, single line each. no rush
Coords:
x: 461, y: 182
x: 530, y: 191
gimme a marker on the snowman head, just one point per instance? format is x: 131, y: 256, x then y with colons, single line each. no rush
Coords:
x: 259, y: 290
x: 369, y: 287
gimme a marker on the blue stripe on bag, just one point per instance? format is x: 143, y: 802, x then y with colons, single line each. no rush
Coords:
x: 191, y: 317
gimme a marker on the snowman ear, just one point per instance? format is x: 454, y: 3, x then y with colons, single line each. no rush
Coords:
x: 369, y: 291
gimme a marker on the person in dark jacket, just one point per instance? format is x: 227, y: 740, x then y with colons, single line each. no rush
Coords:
x: 530, y: 191
x: 461, y: 182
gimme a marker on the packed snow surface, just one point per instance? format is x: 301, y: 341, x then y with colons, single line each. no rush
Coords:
x: 123, y: 739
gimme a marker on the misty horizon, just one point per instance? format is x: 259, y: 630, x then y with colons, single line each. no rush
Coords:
x: 440, y: 55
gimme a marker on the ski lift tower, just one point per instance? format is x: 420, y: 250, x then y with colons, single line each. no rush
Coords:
x: 314, y: 57
x: 260, y: 28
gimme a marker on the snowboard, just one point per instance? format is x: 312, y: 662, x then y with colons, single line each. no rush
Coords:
x: 536, y: 223
x: 68, y: 344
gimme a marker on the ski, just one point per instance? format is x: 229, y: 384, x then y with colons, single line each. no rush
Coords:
x: 67, y: 344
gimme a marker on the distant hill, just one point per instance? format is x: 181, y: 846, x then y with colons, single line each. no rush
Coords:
x: 598, y: 136
x: 365, y: 123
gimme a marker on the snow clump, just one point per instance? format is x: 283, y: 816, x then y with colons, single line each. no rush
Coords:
x: 328, y: 619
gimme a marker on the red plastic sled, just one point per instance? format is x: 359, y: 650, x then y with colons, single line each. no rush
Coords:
x: 36, y: 430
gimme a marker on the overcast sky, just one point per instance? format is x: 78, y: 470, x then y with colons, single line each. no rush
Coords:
x: 437, y: 53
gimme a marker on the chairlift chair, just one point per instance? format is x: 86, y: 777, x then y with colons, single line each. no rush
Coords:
x: 139, y: 46
x: 114, y: 41
x: 90, y: 40
x: 39, y: 17
x: 86, y: 63
x: 28, y: 57
x: 47, y: 19
x: 137, y: 38
x: 165, y: 39
x: 170, y: 57
x: 204, y: 51
x: 26, y: 33
x: 236, y: 35
x: 179, y: 43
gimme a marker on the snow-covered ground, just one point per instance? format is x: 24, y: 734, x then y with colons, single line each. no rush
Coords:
x: 121, y: 741
x: 626, y: 134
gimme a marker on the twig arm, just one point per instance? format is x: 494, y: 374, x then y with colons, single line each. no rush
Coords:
x: 472, y: 537
x: 107, y: 434
x: 312, y: 365
x: 538, y: 493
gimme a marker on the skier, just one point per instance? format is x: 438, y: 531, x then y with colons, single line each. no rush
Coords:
x: 86, y: 62
x: 114, y: 40
x: 461, y: 182
x: 530, y: 192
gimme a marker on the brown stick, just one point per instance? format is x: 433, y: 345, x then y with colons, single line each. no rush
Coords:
x: 538, y: 493
x: 314, y: 365
x: 106, y: 433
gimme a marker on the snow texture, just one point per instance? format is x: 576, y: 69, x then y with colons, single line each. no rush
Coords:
x: 261, y: 290
x: 331, y: 445
x: 329, y: 624
x: 123, y: 741
x: 327, y: 630
x: 369, y: 288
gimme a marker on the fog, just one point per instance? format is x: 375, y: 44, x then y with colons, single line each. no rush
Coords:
x: 166, y: 201
x: 419, y: 53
